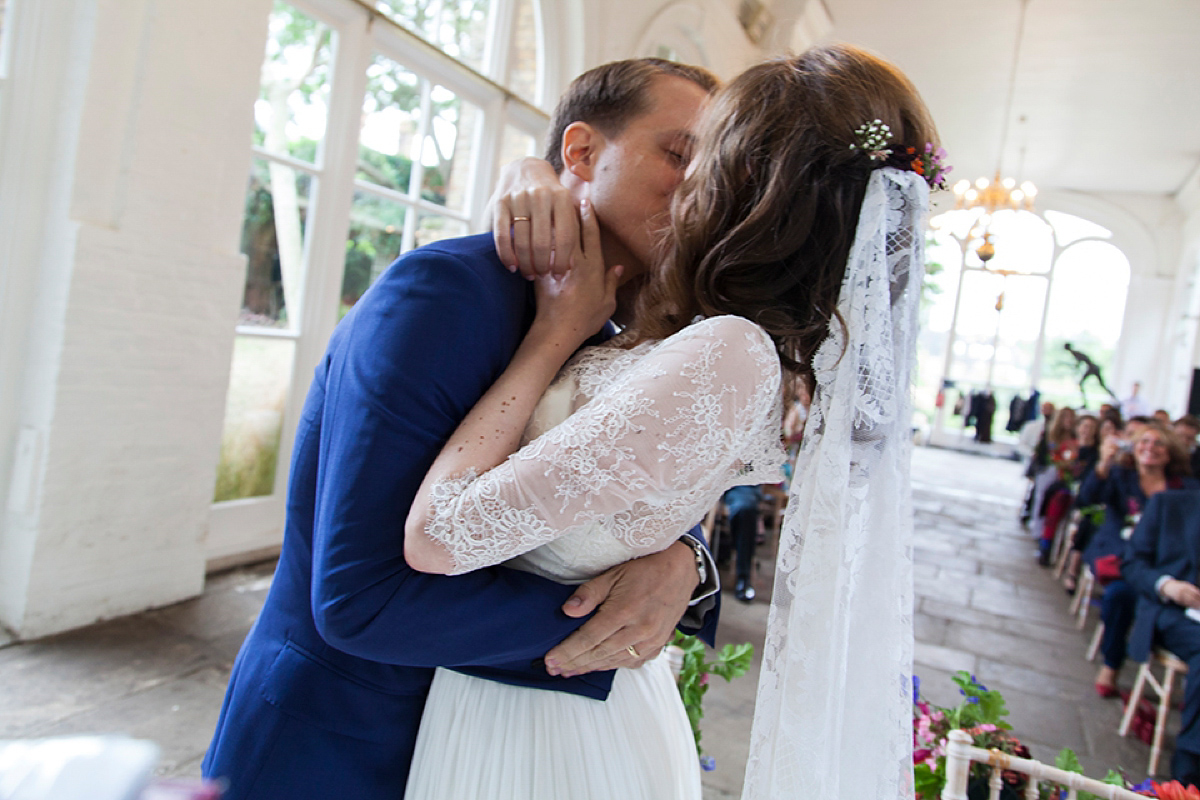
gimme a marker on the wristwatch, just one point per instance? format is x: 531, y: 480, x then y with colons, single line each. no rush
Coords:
x: 698, y: 552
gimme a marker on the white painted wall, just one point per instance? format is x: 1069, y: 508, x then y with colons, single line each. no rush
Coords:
x: 125, y: 284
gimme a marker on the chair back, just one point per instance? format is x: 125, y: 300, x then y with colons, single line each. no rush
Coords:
x: 960, y: 753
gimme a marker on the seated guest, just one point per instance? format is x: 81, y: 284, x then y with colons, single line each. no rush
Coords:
x: 1074, y: 458
x: 1159, y: 463
x: 1161, y: 563
x: 1110, y: 425
x: 1057, y: 439
x: 1187, y: 428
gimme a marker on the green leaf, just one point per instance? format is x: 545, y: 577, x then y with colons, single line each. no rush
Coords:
x: 928, y: 782
x: 1115, y: 778
x: 1068, y: 761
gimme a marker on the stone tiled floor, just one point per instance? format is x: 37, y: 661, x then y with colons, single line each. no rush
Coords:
x: 982, y: 605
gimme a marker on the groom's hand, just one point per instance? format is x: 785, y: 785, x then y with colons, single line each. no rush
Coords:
x: 640, y: 603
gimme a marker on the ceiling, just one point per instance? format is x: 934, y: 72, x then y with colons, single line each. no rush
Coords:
x: 1106, y: 96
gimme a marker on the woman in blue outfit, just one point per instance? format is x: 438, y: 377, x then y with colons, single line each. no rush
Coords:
x: 1159, y: 463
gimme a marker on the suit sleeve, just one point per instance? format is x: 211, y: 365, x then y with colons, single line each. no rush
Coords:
x: 1140, y: 565
x: 421, y: 349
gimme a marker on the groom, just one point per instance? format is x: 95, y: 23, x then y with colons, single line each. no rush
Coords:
x: 326, y: 695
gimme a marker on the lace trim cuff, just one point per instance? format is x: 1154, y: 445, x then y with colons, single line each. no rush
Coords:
x: 468, y: 524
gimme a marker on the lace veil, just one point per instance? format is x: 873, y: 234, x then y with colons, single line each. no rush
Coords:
x: 834, y: 711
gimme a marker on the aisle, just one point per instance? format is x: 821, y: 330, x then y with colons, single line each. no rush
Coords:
x: 983, y: 605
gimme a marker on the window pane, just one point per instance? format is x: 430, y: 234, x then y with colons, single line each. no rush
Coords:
x: 391, y: 125
x: 457, y: 27
x: 276, y: 211
x: 376, y: 238
x: 416, y: 138
x: 998, y: 328
x: 258, y: 385
x: 1087, y: 308
x: 1023, y: 242
x: 293, y: 104
x: 433, y: 228
x: 523, y: 75
x: 516, y: 144
x: 449, y: 148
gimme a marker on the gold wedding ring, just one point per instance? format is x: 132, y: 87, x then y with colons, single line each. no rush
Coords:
x: 632, y: 651
x: 520, y: 219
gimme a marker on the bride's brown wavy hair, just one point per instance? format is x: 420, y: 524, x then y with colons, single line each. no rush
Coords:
x: 762, y: 225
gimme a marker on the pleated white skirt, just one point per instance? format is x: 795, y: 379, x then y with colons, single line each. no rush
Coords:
x: 490, y: 741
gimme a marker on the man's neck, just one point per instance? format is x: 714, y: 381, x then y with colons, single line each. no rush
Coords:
x: 627, y: 295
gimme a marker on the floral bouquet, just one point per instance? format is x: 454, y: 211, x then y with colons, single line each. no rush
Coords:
x: 981, y: 714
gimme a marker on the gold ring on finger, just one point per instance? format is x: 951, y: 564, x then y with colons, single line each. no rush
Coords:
x: 520, y: 219
x: 632, y: 651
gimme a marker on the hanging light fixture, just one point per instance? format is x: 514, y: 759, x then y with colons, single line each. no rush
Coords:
x: 998, y: 194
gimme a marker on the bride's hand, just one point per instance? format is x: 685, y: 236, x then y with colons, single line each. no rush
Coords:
x: 576, y: 305
x: 534, y: 221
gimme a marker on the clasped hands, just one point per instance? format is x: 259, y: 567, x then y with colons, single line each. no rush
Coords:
x: 1181, y: 593
x: 639, y: 604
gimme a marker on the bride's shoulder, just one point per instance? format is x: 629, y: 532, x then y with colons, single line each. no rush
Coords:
x: 737, y: 333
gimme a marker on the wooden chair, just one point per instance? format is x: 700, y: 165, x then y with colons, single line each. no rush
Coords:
x: 1172, y: 666
x: 1081, y: 604
x: 960, y: 753
x: 1060, y: 552
x: 1097, y: 637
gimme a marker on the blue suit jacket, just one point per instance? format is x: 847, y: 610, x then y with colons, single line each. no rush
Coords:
x: 326, y: 695
x: 1166, y: 541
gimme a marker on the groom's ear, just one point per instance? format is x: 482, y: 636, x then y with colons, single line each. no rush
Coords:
x: 581, y: 146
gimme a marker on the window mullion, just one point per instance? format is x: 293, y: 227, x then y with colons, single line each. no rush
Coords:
x: 330, y: 216
x: 499, y: 40
x: 488, y: 139
x: 417, y: 177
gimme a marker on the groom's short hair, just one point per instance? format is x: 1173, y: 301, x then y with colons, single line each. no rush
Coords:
x: 610, y: 95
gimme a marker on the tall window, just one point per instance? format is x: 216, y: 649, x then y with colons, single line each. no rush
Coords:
x: 1055, y: 279
x: 374, y: 134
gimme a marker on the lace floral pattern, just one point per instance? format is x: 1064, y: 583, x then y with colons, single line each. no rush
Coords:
x: 671, y: 425
x: 837, y: 661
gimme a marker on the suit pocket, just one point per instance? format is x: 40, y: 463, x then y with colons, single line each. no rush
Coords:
x: 303, y: 687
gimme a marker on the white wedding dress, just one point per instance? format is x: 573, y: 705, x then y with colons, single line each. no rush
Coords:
x: 627, y: 450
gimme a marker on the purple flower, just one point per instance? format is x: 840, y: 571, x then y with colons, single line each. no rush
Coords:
x: 916, y: 688
x: 708, y: 763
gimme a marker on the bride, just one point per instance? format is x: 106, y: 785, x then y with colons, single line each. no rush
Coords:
x: 794, y: 252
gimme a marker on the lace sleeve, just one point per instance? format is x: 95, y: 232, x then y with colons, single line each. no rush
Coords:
x: 643, y: 460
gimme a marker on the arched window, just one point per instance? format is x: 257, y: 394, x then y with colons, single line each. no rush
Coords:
x: 376, y: 131
x: 1002, y: 325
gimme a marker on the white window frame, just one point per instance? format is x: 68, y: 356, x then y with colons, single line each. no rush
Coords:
x: 241, y: 530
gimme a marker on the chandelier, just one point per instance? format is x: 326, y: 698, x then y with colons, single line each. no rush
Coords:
x: 997, y: 194
x: 994, y: 195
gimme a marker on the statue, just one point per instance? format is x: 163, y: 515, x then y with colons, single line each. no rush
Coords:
x: 1090, y: 370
